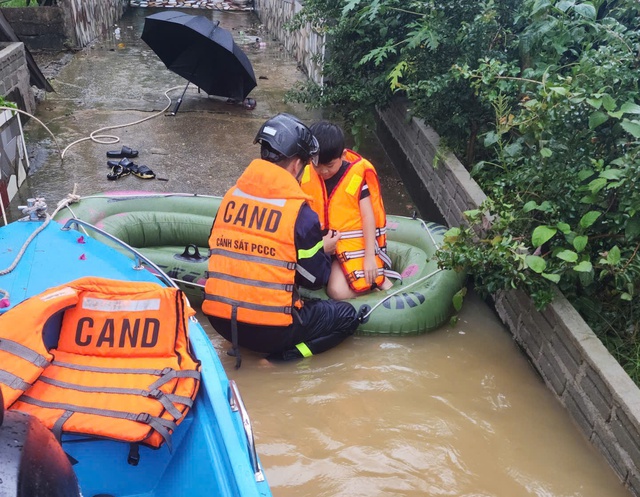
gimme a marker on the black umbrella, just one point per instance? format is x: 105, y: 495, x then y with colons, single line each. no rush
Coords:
x: 200, y: 51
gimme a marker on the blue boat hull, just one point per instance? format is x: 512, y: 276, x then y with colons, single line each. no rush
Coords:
x: 212, y: 451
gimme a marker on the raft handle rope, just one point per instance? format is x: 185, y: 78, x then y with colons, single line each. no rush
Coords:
x: 414, y: 216
x: 138, y: 195
x: 404, y: 288
x: 435, y: 244
x: 36, y: 209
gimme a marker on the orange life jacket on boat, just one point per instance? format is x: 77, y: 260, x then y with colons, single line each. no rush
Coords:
x: 23, y: 355
x: 341, y: 211
x: 122, y: 368
x: 253, y: 257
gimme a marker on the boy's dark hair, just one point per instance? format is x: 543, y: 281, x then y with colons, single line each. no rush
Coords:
x: 331, y: 139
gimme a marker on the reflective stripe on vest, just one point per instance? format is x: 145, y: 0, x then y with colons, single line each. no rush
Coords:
x: 23, y: 355
x: 253, y: 258
x: 341, y: 211
x: 123, y: 367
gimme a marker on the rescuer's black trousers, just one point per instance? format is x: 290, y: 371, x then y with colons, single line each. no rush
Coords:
x: 317, y: 327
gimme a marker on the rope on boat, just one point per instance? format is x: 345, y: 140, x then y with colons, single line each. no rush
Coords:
x: 13, y: 109
x: 424, y: 225
x: 111, y: 139
x: 36, y: 211
x: 131, y: 195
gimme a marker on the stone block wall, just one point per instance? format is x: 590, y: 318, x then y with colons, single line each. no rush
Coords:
x: 39, y: 28
x: 601, y: 398
x: 306, y: 45
x: 89, y: 19
x: 448, y: 182
x: 70, y: 24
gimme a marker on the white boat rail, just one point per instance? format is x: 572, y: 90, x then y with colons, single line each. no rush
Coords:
x: 140, y: 260
x: 236, y: 403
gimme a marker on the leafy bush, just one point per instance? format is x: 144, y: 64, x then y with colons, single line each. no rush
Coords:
x: 566, y: 163
x: 18, y: 3
x: 540, y: 99
x: 7, y: 103
x: 379, y: 49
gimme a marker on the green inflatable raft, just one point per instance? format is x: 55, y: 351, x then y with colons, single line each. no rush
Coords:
x: 172, y: 230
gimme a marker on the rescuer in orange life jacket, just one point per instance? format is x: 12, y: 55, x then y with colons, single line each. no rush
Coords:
x: 264, y: 243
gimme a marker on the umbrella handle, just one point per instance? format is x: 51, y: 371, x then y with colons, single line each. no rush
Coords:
x: 175, y: 109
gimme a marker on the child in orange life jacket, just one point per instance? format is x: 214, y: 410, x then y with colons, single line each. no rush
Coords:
x: 347, y: 198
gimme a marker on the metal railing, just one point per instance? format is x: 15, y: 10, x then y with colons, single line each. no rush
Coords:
x: 140, y: 260
x: 235, y: 401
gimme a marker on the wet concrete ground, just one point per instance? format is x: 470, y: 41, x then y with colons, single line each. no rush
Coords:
x: 203, y: 149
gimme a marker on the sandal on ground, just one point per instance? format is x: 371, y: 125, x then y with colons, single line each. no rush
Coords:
x: 124, y: 152
x: 142, y: 171
x: 118, y: 172
x: 123, y: 162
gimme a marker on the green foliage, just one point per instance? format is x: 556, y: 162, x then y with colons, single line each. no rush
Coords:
x: 384, y: 48
x: 541, y: 100
x: 356, y: 80
x: 564, y: 175
x: 18, y: 3
x: 6, y: 103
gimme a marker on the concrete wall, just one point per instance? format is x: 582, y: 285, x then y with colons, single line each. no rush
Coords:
x: 588, y: 381
x: 70, y: 24
x: 40, y: 28
x: 88, y: 19
x: 602, y: 399
x: 306, y: 45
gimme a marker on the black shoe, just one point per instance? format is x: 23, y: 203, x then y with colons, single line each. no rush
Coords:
x: 123, y: 152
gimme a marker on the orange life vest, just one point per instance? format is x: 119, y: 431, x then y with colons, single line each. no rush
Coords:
x: 23, y: 355
x: 123, y: 367
x: 253, y: 257
x: 341, y: 211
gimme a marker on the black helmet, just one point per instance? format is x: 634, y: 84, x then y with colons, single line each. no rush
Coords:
x: 287, y: 136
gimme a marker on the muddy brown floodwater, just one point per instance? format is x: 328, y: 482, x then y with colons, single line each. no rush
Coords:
x: 456, y: 412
